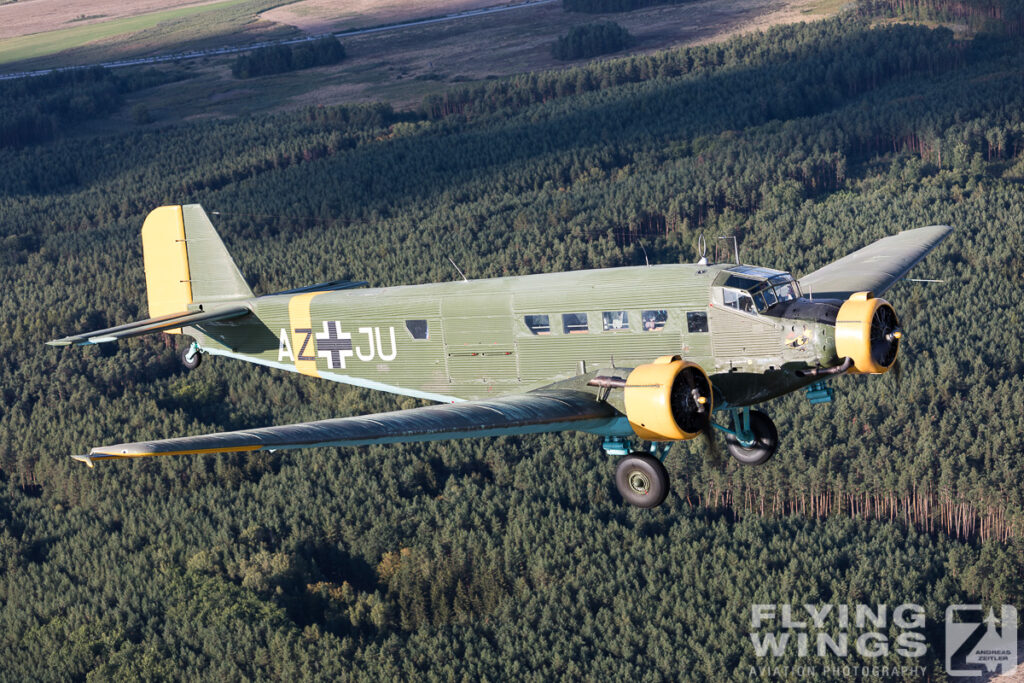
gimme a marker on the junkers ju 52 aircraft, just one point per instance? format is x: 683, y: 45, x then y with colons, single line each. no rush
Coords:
x: 640, y: 356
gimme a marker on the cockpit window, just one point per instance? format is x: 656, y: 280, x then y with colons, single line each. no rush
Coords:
x: 741, y: 282
x: 737, y: 299
x: 787, y: 292
x: 747, y: 288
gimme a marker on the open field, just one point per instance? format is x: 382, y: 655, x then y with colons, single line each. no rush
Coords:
x: 323, y: 16
x: 51, y: 42
x: 40, y: 16
x: 98, y: 38
x: 404, y: 65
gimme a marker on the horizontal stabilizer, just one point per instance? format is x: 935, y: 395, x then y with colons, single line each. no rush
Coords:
x: 539, y: 411
x: 158, y: 324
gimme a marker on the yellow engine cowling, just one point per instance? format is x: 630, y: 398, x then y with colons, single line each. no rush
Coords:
x: 668, y: 400
x: 867, y: 331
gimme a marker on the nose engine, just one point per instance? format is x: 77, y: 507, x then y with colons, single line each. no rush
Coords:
x: 868, y: 332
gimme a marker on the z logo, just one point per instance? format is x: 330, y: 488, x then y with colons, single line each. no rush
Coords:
x: 305, y: 343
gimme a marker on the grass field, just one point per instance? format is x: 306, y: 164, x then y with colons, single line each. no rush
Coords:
x: 26, y: 17
x: 399, y: 67
x: 321, y: 16
x: 402, y: 66
x: 51, y: 42
x: 172, y: 30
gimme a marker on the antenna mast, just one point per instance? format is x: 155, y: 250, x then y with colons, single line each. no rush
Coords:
x: 735, y: 246
x: 459, y: 270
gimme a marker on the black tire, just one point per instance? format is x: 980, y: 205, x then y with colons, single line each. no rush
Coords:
x: 642, y: 480
x: 767, y: 437
x: 197, y: 358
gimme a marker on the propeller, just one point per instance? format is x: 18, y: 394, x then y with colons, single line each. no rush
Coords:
x: 885, y: 336
x: 712, y: 451
x: 706, y: 427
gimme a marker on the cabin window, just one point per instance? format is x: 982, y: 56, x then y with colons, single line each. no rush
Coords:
x: 697, y: 321
x: 537, y: 324
x: 417, y: 328
x: 654, y: 320
x: 574, y: 323
x: 615, y: 320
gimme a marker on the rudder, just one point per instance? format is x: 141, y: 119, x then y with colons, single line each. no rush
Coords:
x: 186, y: 262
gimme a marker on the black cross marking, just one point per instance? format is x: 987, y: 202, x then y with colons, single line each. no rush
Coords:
x: 334, y: 344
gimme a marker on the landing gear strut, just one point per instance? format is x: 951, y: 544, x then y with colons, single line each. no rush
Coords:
x: 641, y: 478
x: 752, y: 438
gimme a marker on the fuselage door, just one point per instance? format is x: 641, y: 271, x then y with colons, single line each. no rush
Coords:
x: 478, y: 339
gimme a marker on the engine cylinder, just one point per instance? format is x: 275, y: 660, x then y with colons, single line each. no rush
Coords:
x: 668, y: 400
x: 867, y: 331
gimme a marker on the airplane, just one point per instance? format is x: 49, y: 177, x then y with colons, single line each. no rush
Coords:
x: 642, y: 356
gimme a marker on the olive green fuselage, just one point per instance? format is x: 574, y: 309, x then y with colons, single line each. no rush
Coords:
x: 465, y: 340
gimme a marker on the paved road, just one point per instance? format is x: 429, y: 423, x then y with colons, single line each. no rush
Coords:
x: 243, y: 48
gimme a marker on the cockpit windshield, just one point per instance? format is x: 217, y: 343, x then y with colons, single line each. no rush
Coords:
x: 746, y: 288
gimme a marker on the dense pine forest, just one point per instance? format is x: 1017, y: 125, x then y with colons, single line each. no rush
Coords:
x: 278, y: 59
x: 590, y: 40
x: 514, y: 557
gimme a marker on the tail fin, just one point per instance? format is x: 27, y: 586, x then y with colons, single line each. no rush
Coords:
x: 186, y: 262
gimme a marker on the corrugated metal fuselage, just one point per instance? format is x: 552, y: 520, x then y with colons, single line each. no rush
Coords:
x: 467, y: 340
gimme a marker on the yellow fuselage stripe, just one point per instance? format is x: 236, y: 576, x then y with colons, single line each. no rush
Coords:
x: 299, y: 318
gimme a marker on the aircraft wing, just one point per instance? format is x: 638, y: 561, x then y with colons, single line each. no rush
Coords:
x: 551, y: 410
x: 164, y: 322
x: 876, y: 267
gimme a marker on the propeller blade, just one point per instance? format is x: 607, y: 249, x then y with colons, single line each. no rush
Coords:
x: 714, y: 455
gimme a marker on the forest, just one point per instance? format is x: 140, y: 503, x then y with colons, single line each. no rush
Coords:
x: 35, y: 110
x: 591, y: 40
x: 513, y: 558
x: 276, y: 59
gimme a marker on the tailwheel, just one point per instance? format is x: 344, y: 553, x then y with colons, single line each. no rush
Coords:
x: 642, y: 480
x: 753, y: 438
x: 190, y: 356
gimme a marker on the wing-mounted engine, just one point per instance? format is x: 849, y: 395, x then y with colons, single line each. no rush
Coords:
x: 668, y: 400
x: 868, y: 332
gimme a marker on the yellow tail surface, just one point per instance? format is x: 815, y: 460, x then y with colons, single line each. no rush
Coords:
x: 186, y: 262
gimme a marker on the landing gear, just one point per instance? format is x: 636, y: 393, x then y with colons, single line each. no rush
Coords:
x: 190, y: 356
x: 642, y: 480
x: 753, y: 439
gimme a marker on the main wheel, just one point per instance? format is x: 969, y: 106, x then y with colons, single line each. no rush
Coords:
x: 190, y: 357
x: 766, y: 440
x: 642, y: 480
